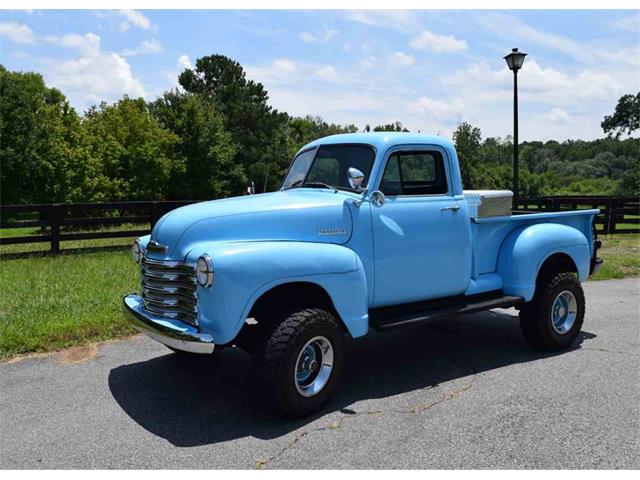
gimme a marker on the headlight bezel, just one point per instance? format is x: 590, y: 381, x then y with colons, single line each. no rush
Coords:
x: 204, y: 271
x: 136, y: 251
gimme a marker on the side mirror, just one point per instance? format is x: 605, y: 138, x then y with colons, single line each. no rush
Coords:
x: 377, y: 198
x: 355, y: 178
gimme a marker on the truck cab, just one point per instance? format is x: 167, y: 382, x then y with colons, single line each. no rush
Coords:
x: 369, y: 231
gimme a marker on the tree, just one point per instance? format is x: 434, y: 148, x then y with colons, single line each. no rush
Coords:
x: 258, y: 131
x: 38, y: 140
x: 204, y: 145
x: 390, y: 127
x: 630, y: 182
x: 626, y: 117
x: 303, y: 130
x: 467, y: 142
x: 132, y: 156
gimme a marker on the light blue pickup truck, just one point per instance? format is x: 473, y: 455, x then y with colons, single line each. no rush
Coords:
x: 369, y: 231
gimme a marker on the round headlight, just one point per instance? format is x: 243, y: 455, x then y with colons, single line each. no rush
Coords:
x: 204, y: 271
x: 136, y: 252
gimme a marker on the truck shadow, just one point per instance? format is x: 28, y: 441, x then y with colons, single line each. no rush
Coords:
x: 204, y: 400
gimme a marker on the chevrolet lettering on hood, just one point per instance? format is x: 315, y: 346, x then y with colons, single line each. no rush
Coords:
x: 332, y: 231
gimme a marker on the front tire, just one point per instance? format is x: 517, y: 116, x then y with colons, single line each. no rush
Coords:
x: 301, y: 361
x: 553, y: 318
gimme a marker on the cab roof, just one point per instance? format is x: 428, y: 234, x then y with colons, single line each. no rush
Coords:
x: 383, y: 140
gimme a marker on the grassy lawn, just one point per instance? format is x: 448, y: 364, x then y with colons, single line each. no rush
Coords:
x: 621, y: 254
x: 48, y: 303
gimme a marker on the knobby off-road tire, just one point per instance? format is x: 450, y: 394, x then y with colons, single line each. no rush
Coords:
x: 553, y: 318
x: 296, y: 341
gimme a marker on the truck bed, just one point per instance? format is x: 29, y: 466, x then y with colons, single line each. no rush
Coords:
x: 488, y: 234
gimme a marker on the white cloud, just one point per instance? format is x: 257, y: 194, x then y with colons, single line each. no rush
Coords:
x: 556, y: 115
x: 284, y: 65
x: 327, y: 73
x: 437, y: 109
x: 400, y: 58
x: 88, y: 44
x: 17, y: 32
x: 368, y: 62
x: 323, y: 36
x: 427, y: 40
x: 95, y: 75
x: 146, y: 47
x: 184, y: 62
x: 133, y: 18
x: 394, y: 19
x: 543, y: 84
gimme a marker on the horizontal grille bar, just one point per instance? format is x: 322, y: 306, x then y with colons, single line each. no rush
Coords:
x: 169, y: 289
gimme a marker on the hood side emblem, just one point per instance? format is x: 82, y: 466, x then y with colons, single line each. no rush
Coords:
x: 332, y: 231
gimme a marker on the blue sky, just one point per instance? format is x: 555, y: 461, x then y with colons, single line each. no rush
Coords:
x: 428, y: 69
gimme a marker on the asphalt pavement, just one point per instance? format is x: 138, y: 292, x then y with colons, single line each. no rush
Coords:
x: 464, y: 393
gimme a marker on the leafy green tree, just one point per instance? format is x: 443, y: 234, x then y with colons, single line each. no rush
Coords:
x: 626, y: 117
x: 467, y: 140
x: 303, y: 130
x: 204, y: 145
x: 258, y: 131
x: 390, y: 127
x: 630, y: 182
x: 38, y: 140
x: 132, y: 155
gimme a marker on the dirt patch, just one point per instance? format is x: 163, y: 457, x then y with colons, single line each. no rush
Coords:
x: 78, y: 354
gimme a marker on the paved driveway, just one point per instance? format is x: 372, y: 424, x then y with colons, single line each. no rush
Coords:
x: 467, y: 393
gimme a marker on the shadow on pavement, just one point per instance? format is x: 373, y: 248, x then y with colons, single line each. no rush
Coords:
x: 204, y: 400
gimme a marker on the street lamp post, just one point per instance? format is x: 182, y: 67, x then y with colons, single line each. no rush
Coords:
x: 514, y: 61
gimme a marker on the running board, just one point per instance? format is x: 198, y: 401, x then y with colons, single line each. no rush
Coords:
x: 386, y: 318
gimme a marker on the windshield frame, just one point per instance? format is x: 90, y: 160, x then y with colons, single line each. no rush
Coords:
x: 315, y: 156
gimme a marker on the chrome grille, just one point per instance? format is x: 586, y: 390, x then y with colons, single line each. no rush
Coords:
x: 169, y: 289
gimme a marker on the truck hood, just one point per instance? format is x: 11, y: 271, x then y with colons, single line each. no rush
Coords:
x: 291, y: 215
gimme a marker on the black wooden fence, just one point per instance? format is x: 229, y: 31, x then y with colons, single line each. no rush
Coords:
x: 61, y: 221
x: 617, y: 214
x: 82, y: 221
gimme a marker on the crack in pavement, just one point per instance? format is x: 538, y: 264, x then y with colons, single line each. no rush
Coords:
x: 604, y: 350
x: 349, y: 414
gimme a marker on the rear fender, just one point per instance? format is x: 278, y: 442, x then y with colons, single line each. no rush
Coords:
x: 525, y: 250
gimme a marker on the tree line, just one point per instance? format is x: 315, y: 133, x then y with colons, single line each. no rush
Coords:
x: 217, y: 133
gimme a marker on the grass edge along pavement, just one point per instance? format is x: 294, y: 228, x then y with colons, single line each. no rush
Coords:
x: 48, y: 303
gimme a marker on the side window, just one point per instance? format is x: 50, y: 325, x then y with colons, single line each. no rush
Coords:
x: 414, y: 173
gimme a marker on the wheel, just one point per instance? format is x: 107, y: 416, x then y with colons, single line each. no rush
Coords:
x: 300, y: 362
x: 554, y: 317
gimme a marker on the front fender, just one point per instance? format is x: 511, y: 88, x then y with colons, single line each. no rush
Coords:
x: 526, y: 248
x: 244, y: 271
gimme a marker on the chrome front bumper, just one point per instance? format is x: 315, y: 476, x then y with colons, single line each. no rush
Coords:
x: 173, y: 333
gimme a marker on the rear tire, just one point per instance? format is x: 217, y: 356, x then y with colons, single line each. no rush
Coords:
x: 553, y: 318
x: 300, y: 361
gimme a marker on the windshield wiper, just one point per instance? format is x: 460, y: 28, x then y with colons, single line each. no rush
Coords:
x: 301, y: 183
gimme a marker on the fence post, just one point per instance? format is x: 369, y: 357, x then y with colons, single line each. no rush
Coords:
x: 154, y: 214
x: 54, y: 221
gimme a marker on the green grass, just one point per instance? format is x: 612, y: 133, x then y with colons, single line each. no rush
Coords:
x: 621, y: 254
x: 48, y: 303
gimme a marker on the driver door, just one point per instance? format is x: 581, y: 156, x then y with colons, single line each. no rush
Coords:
x: 420, y: 233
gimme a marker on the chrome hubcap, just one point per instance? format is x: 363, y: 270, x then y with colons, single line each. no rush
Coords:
x: 564, y: 312
x: 313, y: 367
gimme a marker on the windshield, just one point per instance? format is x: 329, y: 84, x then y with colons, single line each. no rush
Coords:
x: 327, y: 166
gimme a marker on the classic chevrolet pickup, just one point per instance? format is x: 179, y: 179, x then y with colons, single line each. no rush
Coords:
x: 369, y: 231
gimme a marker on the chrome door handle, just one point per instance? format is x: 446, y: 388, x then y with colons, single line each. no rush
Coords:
x: 455, y: 208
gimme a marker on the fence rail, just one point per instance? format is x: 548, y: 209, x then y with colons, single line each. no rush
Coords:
x: 57, y: 221
x: 617, y: 214
x: 60, y: 222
